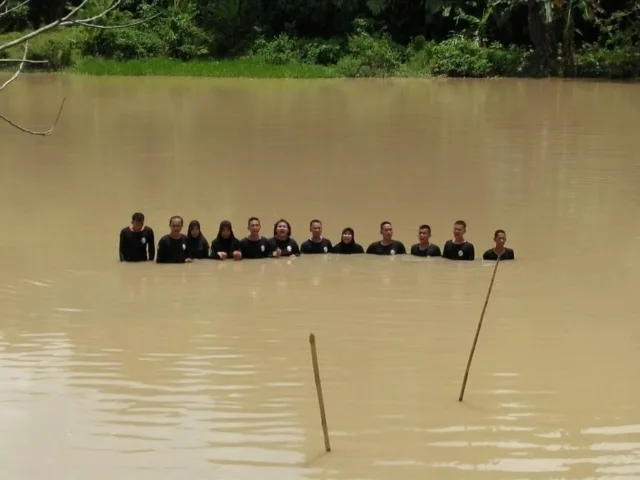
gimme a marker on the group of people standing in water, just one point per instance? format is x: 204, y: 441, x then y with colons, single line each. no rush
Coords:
x: 137, y: 243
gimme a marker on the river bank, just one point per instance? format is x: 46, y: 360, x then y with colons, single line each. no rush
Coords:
x: 363, y: 55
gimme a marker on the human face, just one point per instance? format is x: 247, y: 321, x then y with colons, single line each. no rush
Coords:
x: 254, y: 227
x: 195, y: 231
x: 226, y: 232
x: 424, y: 235
x: 387, y: 232
x: 501, y: 239
x: 282, y: 230
x: 176, y: 226
x: 137, y: 225
x: 458, y: 231
x: 316, y: 229
x: 347, y: 237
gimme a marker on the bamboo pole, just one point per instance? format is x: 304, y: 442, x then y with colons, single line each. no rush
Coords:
x: 475, y: 340
x: 316, y: 374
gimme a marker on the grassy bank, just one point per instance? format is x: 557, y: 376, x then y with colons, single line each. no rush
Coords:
x: 363, y: 54
x: 245, y: 68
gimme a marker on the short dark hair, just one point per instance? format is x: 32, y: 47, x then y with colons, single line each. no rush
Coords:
x: 384, y: 223
x: 178, y: 217
x: 499, y: 231
x: 253, y: 219
x: 137, y: 217
x: 425, y: 226
x: 315, y: 220
x: 461, y: 222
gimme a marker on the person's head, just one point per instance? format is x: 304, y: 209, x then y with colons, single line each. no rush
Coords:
x: 176, y: 223
x: 348, y: 235
x: 315, y: 227
x: 226, y: 230
x: 386, y: 230
x: 194, y: 229
x: 459, y: 229
x: 137, y: 221
x: 500, y: 237
x: 282, y: 229
x: 253, y: 225
x: 424, y: 233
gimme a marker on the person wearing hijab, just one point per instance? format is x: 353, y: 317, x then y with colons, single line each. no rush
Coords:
x: 281, y: 244
x: 347, y: 244
x: 226, y: 245
x: 196, y: 242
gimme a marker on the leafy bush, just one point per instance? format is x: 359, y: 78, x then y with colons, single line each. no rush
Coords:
x: 124, y: 44
x: 282, y: 50
x: 595, y: 62
x: 184, y: 39
x: 369, y: 55
x: 458, y: 57
x: 320, y: 52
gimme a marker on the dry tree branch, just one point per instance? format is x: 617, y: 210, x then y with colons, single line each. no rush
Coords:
x: 8, y: 10
x: 65, y: 21
x: 43, y: 133
x: 17, y: 72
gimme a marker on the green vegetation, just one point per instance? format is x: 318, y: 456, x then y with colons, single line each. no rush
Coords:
x: 330, y: 38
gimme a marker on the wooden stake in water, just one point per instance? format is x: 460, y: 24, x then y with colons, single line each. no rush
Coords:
x: 475, y: 340
x: 316, y: 374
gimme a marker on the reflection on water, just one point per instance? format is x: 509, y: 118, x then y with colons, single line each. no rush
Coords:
x: 203, y: 371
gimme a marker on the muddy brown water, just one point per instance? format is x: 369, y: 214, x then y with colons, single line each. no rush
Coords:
x: 202, y: 371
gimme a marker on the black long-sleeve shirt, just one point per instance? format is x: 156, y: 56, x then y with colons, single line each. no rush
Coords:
x: 394, y: 248
x: 287, y: 247
x: 255, y: 248
x: 198, y: 247
x: 173, y: 250
x: 137, y: 246
x: 311, y: 247
x: 459, y: 251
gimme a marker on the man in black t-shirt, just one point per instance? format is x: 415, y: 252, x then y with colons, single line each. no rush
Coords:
x: 500, y: 238
x: 137, y: 241
x: 386, y: 246
x: 423, y: 248
x: 317, y: 243
x: 459, y: 248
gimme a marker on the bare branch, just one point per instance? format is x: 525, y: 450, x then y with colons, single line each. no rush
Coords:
x: 8, y: 10
x: 42, y: 133
x: 66, y: 21
x: 21, y: 60
x: 17, y: 72
x: 50, y: 26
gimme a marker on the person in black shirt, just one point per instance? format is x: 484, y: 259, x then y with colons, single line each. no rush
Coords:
x: 316, y: 244
x: 347, y: 244
x: 226, y: 245
x: 500, y: 237
x: 137, y: 241
x: 459, y: 248
x: 423, y: 248
x: 386, y: 246
x: 196, y: 242
x: 281, y: 244
x: 254, y: 245
x: 172, y: 248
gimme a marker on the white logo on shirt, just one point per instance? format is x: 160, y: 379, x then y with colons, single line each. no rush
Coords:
x: 326, y: 249
x: 184, y: 247
x: 460, y: 253
x: 262, y: 248
x: 393, y: 252
x: 144, y: 240
x: 288, y: 248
